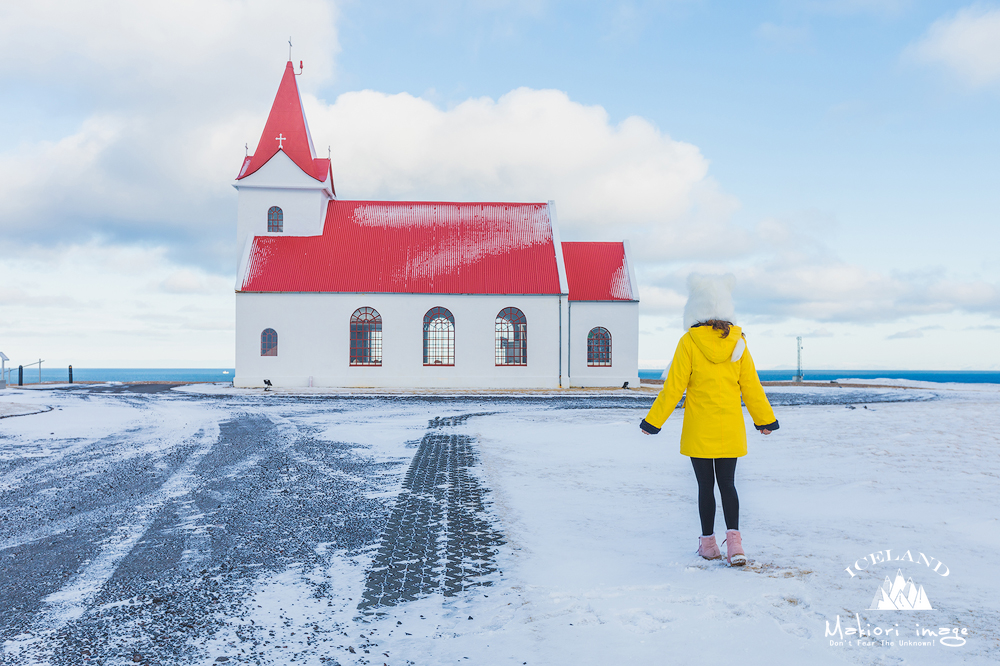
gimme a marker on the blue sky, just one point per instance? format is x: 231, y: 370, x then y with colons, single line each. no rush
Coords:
x: 804, y: 109
x: 839, y: 156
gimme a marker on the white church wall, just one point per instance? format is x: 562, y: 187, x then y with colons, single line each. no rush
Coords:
x: 314, y: 341
x: 280, y: 182
x: 621, y: 319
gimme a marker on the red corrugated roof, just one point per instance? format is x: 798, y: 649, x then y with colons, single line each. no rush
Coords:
x: 597, y: 272
x: 288, y: 121
x: 413, y: 247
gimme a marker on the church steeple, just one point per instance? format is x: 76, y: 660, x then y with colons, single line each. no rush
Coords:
x: 287, y: 130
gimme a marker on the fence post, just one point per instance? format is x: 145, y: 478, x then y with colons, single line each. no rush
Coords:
x: 20, y: 375
x: 71, y: 374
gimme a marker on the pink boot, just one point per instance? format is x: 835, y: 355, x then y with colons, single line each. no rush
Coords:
x: 734, y: 548
x: 708, y: 548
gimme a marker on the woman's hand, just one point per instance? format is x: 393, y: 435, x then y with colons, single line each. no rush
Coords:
x: 766, y: 429
x: 648, y: 428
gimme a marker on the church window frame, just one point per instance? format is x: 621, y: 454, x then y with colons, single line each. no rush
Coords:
x: 268, y: 342
x: 599, y: 348
x: 439, y: 337
x: 511, y: 338
x: 366, y: 337
x: 275, y: 220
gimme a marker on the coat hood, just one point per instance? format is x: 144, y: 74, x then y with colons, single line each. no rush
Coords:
x: 716, y: 348
x: 711, y: 297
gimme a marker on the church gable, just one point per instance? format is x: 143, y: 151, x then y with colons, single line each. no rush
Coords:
x: 281, y: 171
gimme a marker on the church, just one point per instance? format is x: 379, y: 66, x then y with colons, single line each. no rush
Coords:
x: 333, y: 292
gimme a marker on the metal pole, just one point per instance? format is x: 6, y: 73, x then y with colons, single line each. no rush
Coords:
x: 71, y: 374
x: 39, y: 371
x: 20, y: 375
x: 798, y: 342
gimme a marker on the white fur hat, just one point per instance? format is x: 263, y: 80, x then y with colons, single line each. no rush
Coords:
x: 711, y: 297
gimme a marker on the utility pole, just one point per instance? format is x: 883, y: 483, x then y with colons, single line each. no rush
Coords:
x: 798, y: 344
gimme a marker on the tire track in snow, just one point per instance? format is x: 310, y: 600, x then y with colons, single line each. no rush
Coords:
x: 197, y: 540
x: 14, y: 479
x: 71, y: 601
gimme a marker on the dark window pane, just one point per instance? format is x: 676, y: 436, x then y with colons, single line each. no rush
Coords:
x: 511, y: 337
x: 599, y: 347
x: 275, y: 219
x: 268, y: 342
x: 439, y: 337
x: 366, y: 337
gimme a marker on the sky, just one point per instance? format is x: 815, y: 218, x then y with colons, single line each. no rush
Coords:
x: 840, y: 157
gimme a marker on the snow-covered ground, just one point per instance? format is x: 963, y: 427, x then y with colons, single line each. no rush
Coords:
x: 599, y: 525
x: 18, y: 409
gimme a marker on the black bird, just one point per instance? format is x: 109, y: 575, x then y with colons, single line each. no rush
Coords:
x: 267, y: 384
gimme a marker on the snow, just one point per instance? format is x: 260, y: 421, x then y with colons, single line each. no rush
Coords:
x: 19, y: 409
x: 600, y: 522
x: 602, y: 527
x: 914, y: 383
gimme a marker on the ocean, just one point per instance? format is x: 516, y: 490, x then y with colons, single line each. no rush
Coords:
x: 958, y: 376
x: 124, y: 374
x: 226, y: 375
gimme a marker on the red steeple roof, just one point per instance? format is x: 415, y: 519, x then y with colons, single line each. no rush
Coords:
x: 287, y: 130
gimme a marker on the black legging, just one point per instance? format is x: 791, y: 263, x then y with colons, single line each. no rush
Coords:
x: 725, y: 471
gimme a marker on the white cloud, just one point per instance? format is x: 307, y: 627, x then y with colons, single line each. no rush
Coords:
x: 146, y: 170
x: 658, y: 299
x: 815, y: 333
x: 172, y: 90
x: 184, y: 281
x: 184, y: 53
x: 92, y: 305
x: 138, y: 177
x: 826, y: 289
x: 608, y: 180
x: 126, y: 222
x: 791, y: 274
x: 968, y: 44
x: 904, y: 335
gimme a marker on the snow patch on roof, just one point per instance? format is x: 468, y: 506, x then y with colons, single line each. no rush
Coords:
x: 413, y: 247
x: 597, y: 271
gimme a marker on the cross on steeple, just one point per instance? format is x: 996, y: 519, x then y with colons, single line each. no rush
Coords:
x: 287, y: 132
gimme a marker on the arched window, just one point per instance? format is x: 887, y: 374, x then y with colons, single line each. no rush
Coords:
x: 268, y: 342
x: 599, y: 347
x: 275, y: 219
x: 366, y: 337
x: 439, y: 337
x: 511, y: 337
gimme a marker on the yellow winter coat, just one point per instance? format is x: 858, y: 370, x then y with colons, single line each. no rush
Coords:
x: 713, y: 416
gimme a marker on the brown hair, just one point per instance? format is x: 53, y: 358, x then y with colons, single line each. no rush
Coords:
x: 717, y: 325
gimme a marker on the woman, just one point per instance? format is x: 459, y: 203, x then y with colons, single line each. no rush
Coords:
x: 712, y: 363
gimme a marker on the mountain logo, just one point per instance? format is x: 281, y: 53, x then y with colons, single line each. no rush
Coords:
x: 900, y: 594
